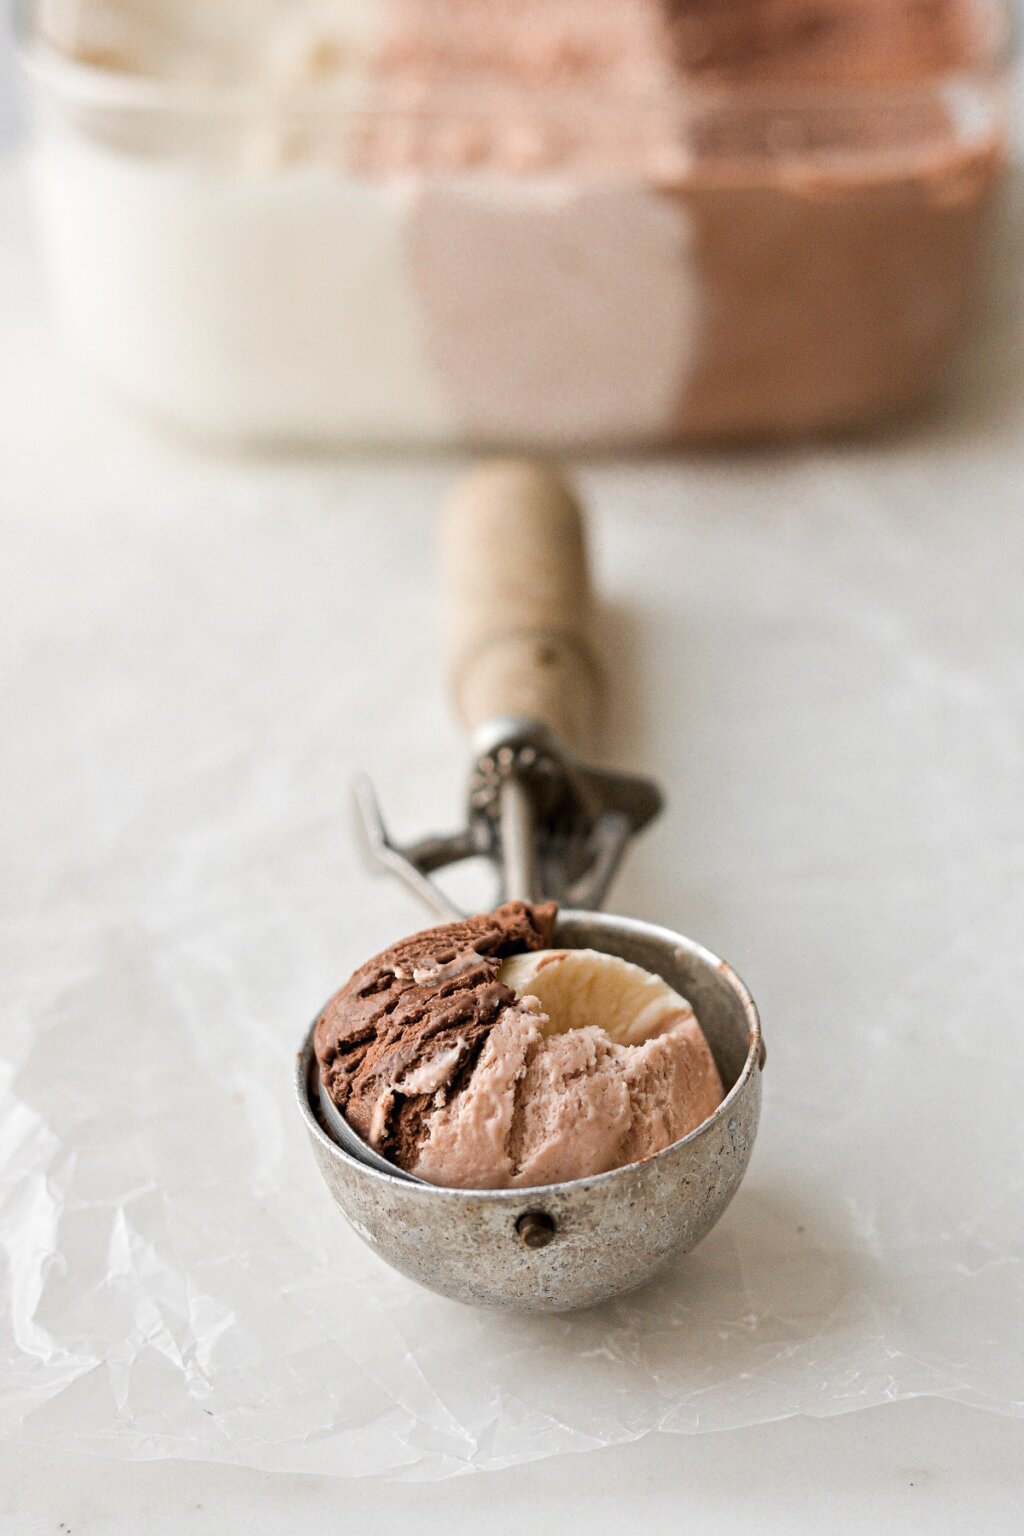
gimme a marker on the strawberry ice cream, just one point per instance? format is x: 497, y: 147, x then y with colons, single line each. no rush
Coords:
x: 475, y: 1056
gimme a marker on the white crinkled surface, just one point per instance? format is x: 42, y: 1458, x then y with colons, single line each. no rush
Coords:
x: 198, y: 653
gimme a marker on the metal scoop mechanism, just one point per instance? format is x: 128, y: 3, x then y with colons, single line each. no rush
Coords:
x: 553, y: 827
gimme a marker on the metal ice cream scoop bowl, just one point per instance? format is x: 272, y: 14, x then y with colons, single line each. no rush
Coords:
x: 555, y: 828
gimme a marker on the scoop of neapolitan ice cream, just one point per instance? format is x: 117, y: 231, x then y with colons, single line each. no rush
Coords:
x: 476, y: 1056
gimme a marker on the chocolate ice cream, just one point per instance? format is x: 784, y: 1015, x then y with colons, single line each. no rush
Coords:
x: 474, y: 1056
x: 847, y: 41
x: 411, y: 1022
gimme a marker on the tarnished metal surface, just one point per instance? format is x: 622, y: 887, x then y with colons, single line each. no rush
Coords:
x: 561, y: 835
x: 610, y: 1232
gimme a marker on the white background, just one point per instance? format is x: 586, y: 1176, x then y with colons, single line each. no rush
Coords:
x: 925, y: 1465
x: 10, y: 106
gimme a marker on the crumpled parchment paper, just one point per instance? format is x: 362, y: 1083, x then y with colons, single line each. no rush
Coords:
x: 817, y: 651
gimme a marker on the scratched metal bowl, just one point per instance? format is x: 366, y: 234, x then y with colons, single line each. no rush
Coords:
x: 562, y: 1246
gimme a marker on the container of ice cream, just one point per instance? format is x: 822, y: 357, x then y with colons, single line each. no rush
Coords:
x: 550, y: 222
x: 570, y: 1243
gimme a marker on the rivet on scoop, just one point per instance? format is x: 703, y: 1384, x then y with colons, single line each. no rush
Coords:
x: 535, y: 1229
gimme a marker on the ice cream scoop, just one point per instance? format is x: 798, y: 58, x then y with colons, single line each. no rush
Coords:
x: 472, y: 1071
x: 597, y: 1064
x: 538, y: 1105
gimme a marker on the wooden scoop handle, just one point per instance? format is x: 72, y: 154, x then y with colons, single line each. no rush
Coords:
x: 518, y: 602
